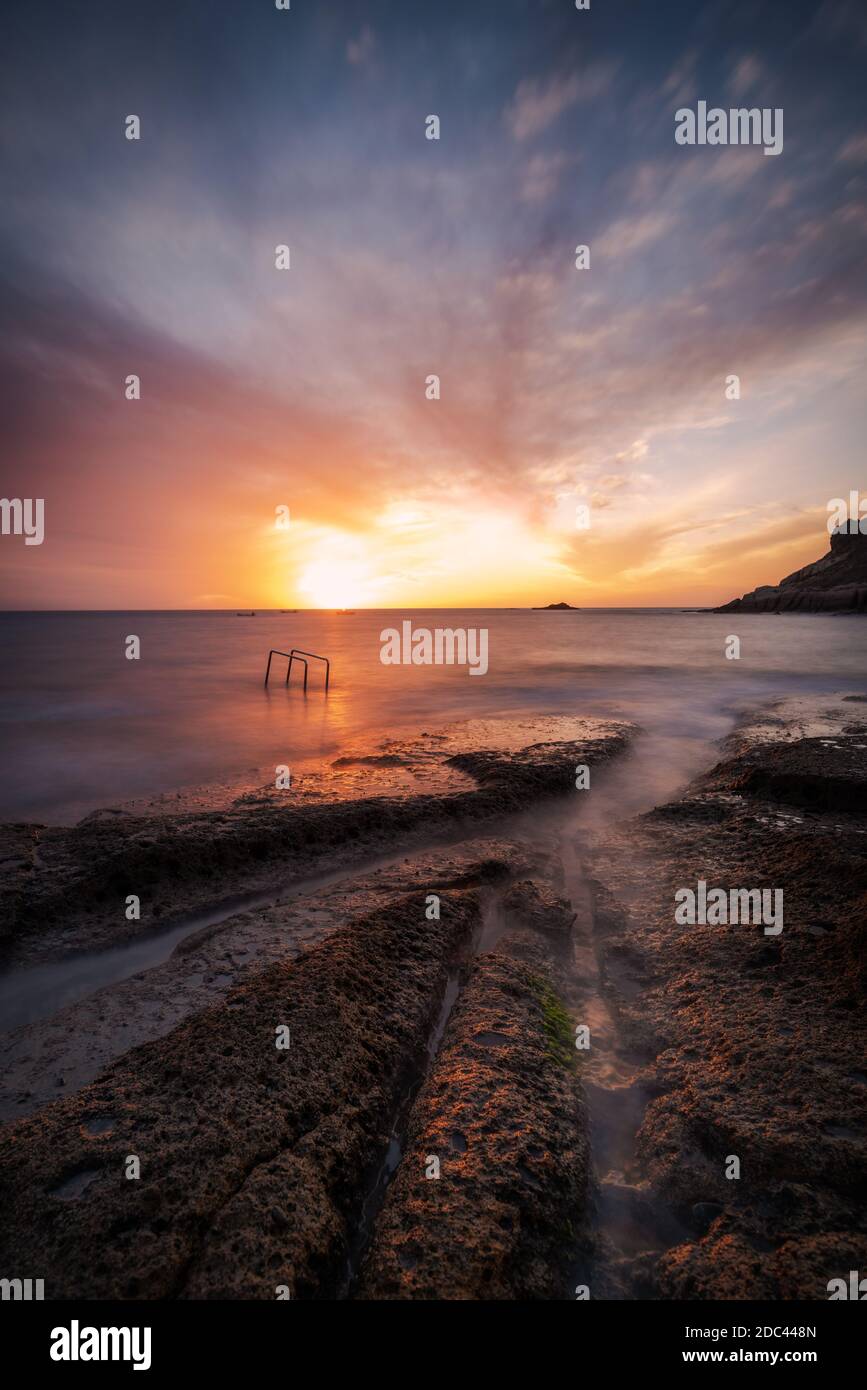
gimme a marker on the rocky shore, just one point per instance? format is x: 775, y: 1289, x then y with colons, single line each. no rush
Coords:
x: 262, y: 1169
x: 64, y: 890
x: 502, y: 1118
x: 747, y: 1045
x: 493, y: 1067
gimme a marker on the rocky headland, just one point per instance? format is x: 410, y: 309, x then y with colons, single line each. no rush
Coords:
x: 835, y: 584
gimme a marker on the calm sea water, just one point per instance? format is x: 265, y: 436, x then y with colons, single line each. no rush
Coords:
x: 82, y: 727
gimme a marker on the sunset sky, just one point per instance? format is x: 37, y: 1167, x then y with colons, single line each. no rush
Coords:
x: 306, y: 388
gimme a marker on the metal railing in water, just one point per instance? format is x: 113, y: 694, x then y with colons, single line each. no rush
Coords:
x: 298, y: 654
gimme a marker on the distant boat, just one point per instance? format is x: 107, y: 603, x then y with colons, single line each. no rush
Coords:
x: 251, y: 614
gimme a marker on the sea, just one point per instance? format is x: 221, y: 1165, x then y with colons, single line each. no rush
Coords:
x: 84, y: 728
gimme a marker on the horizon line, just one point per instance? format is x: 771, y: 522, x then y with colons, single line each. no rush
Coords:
x: 415, y: 608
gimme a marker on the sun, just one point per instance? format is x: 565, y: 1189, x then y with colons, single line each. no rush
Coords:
x: 334, y: 583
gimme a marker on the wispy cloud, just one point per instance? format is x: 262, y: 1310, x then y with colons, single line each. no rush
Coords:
x: 628, y: 235
x: 539, y: 102
x: 854, y: 151
x: 541, y: 175
x: 747, y: 74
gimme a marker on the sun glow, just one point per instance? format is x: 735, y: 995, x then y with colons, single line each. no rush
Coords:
x: 335, y: 582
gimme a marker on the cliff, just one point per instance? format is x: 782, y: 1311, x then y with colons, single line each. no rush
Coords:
x: 835, y: 584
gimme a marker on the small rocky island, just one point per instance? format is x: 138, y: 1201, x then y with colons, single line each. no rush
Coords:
x: 555, y: 607
x: 835, y: 584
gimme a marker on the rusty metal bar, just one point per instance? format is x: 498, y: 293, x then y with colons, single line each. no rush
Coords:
x: 297, y: 654
x: 293, y: 656
x: 299, y: 651
x: 274, y: 652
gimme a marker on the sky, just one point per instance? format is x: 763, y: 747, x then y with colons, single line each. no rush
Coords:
x: 305, y: 388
